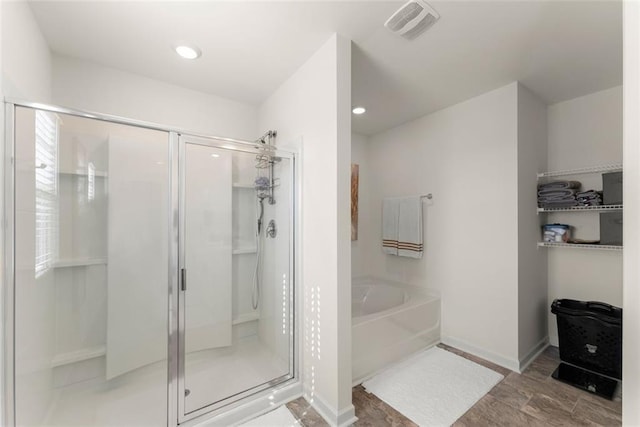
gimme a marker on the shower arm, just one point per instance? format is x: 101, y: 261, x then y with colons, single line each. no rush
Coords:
x: 266, y: 139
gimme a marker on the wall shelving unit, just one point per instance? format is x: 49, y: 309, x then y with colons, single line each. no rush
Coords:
x: 581, y: 171
x: 603, y: 208
x: 544, y: 176
x: 580, y: 246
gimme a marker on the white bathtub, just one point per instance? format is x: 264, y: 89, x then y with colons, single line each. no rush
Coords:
x: 390, y: 322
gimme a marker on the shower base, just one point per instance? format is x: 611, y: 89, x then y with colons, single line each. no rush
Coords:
x: 135, y: 398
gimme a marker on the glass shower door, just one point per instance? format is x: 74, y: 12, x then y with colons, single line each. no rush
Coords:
x: 91, y: 271
x: 235, y: 297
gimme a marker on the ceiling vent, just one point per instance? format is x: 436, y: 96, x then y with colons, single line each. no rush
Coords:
x: 412, y: 19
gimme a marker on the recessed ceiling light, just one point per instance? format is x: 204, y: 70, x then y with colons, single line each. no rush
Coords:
x: 188, y: 52
x: 215, y: 156
x: 359, y: 110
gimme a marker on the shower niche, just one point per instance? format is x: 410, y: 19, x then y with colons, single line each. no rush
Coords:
x: 142, y: 279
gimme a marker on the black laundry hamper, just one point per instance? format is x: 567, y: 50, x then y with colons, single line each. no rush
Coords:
x: 590, y: 337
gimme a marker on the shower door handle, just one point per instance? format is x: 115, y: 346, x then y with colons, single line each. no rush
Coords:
x: 183, y: 279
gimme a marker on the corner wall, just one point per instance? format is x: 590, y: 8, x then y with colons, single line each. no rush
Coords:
x: 532, y: 262
x: 466, y: 155
x: 631, y: 312
x: 26, y: 65
x: 311, y: 111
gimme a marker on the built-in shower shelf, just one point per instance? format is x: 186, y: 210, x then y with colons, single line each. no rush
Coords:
x: 82, y: 172
x: 247, y: 317
x: 78, y: 356
x: 244, y: 250
x: 79, y: 262
x: 244, y: 185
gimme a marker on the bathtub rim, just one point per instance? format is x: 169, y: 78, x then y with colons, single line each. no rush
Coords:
x: 416, y: 296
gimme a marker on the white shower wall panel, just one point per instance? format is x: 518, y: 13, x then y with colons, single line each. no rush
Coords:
x: 242, y: 274
x: 81, y: 312
x: 276, y: 287
x: 244, y: 212
x: 138, y: 251
x: 208, y: 247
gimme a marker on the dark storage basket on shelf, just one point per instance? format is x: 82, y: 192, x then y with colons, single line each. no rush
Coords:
x: 590, y: 335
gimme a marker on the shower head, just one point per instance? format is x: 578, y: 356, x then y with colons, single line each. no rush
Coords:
x: 266, y: 138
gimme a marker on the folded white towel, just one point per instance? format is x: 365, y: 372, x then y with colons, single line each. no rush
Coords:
x: 390, y: 211
x: 410, y: 227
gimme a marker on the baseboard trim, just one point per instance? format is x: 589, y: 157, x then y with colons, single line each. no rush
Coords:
x: 347, y: 416
x: 533, y: 353
x: 344, y: 418
x: 511, y: 364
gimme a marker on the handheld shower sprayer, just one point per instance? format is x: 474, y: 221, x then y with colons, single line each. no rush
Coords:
x: 264, y: 186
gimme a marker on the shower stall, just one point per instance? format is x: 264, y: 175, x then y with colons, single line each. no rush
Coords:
x: 149, y: 273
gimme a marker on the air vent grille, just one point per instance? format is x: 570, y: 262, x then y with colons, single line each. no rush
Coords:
x: 405, y: 15
x: 412, y: 19
x: 420, y: 27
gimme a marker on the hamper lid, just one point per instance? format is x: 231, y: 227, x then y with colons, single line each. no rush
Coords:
x: 595, y: 309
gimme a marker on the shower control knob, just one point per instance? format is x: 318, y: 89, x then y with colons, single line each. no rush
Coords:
x: 272, y: 231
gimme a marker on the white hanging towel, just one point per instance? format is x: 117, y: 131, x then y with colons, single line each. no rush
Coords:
x: 410, y: 242
x: 390, y: 217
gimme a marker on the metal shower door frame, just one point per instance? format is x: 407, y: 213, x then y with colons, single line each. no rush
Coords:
x: 8, y: 254
x: 175, y: 374
x: 177, y: 300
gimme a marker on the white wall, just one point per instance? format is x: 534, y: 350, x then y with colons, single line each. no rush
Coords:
x: 3, y: 420
x: 26, y: 72
x: 313, y: 108
x: 88, y: 86
x: 359, y: 155
x: 631, y: 316
x: 532, y: 262
x: 586, y: 131
x: 466, y: 155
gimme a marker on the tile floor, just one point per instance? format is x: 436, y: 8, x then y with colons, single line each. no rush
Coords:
x: 532, y: 398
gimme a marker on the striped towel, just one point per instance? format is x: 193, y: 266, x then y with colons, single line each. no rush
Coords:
x: 402, y: 227
x: 390, y: 212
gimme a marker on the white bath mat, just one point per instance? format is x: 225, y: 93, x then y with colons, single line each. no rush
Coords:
x: 281, y: 417
x: 434, y: 388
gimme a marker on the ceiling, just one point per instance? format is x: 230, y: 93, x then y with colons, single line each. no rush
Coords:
x: 559, y: 49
